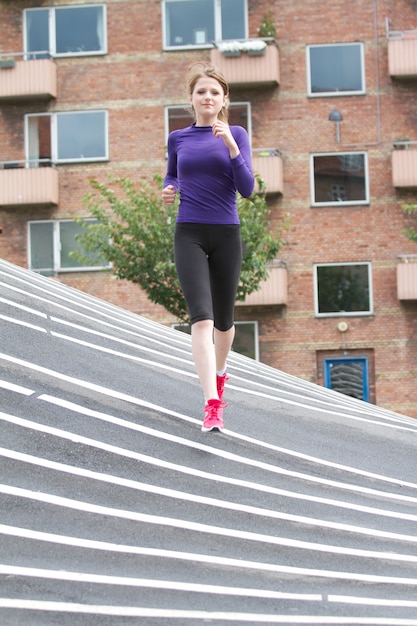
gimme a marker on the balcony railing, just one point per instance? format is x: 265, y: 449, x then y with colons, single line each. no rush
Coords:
x: 268, y: 164
x: 28, y: 186
x: 272, y: 291
x: 404, y: 164
x: 402, y: 53
x: 27, y: 79
x: 407, y: 277
x: 249, y: 68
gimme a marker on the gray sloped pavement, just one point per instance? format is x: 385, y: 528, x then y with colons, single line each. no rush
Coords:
x: 116, y: 509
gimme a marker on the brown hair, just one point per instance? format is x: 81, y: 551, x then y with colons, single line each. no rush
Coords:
x: 201, y: 70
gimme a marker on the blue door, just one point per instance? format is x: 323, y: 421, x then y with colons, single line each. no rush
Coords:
x: 348, y: 376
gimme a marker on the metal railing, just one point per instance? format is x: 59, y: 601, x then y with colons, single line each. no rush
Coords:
x: 26, y: 163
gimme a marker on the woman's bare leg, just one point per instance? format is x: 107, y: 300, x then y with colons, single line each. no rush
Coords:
x: 223, y: 341
x: 204, y: 356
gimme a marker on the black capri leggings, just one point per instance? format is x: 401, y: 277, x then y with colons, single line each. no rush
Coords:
x: 208, y: 259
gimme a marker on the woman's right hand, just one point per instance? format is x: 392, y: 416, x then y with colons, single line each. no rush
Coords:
x: 168, y: 195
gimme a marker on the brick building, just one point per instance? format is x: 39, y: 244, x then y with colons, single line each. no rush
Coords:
x: 88, y: 88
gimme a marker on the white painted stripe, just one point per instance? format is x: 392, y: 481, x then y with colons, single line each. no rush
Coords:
x: 99, y: 307
x: 310, y: 407
x: 133, y: 400
x: 137, y: 346
x: 196, y: 499
x: 206, y: 529
x: 209, y: 616
x: 23, y: 308
x: 318, y: 400
x: 12, y: 320
x: 4, y: 384
x: 206, y: 475
x: 124, y: 315
x: 101, y: 579
x: 373, y: 601
x: 134, y: 321
x: 240, y: 459
x: 150, y: 552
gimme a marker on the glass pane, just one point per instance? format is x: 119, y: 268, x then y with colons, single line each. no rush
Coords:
x: 39, y: 141
x: 79, y: 29
x: 233, y: 19
x: 348, y: 377
x: 238, y: 115
x: 343, y: 288
x: 244, y: 342
x: 37, y: 32
x: 68, y: 232
x: 340, y: 178
x: 189, y: 22
x: 178, y: 118
x: 335, y: 68
x: 41, y: 235
x: 81, y: 135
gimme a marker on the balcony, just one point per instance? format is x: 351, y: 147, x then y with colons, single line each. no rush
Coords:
x: 407, y: 278
x: 248, y: 67
x: 273, y: 291
x: 402, y: 52
x: 404, y: 164
x: 28, y: 186
x: 268, y: 164
x: 27, y: 80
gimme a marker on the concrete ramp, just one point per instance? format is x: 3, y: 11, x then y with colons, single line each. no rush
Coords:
x: 116, y: 509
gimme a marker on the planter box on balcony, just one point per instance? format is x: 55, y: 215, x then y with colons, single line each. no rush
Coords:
x: 270, y: 169
x: 273, y: 290
x: 261, y: 69
x: 404, y: 168
x: 407, y: 281
x: 28, y: 186
x: 402, y: 57
x: 35, y: 79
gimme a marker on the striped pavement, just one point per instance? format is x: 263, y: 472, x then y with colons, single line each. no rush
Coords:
x: 116, y: 509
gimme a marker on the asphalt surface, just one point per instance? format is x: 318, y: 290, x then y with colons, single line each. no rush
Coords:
x: 116, y: 509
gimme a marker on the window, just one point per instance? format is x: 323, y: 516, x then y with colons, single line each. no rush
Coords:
x: 189, y: 23
x: 246, y: 338
x: 50, y: 245
x: 348, y: 376
x: 177, y: 117
x: 335, y: 69
x: 343, y: 289
x: 338, y: 178
x: 66, y: 137
x: 65, y: 31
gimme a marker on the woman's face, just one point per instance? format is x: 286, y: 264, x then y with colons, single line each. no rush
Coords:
x: 207, y: 100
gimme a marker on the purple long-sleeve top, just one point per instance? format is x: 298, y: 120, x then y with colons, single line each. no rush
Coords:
x: 200, y: 167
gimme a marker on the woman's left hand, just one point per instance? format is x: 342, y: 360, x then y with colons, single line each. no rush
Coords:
x: 221, y: 129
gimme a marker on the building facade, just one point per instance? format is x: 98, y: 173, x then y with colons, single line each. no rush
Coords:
x: 328, y: 96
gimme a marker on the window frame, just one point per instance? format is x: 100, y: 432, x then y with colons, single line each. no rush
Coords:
x: 54, y: 136
x: 56, y: 249
x: 184, y: 107
x: 52, y: 31
x: 317, y: 312
x: 328, y: 362
x: 337, y: 203
x: 217, y: 27
x: 336, y: 94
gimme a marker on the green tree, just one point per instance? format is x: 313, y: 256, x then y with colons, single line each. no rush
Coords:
x: 410, y: 232
x: 134, y: 232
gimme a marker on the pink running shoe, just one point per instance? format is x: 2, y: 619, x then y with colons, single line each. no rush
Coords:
x: 221, y: 381
x: 213, y: 415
